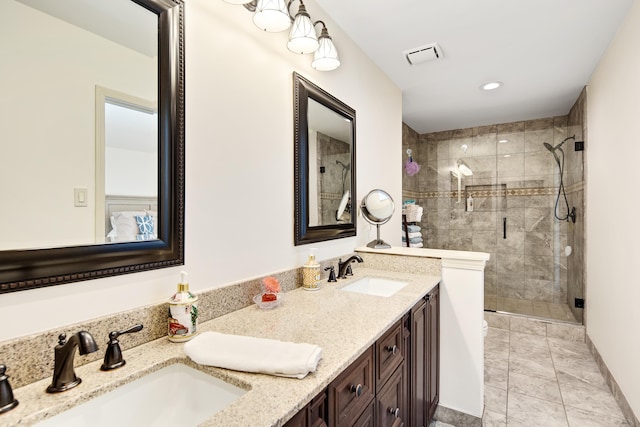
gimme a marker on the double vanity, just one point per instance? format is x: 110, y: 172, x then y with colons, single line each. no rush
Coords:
x: 377, y: 338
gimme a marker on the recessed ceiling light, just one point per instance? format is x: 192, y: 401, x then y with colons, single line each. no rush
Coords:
x: 506, y: 156
x: 503, y: 141
x: 491, y: 85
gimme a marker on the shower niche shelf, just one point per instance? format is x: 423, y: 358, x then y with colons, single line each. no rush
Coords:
x: 482, y: 193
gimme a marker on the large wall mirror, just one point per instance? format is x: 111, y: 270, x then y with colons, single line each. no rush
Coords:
x: 92, y: 119
x: 325, y: 169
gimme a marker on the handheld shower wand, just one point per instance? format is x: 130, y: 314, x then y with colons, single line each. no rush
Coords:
x: 571, y: 213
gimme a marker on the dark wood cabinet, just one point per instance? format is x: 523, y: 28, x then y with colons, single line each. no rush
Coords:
x: 418, y: 368
x: 390, y: 353
x: 312, y: 415
x: 352, y: 391
x: 394, y: 383
x: 391, y: 401
x: 424, y: 362
x: 433, y: 352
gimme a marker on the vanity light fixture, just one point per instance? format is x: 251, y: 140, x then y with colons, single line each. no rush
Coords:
x: 272, y: 15
x: 464, y: 169
x: 302, y: 37
x: 275, y: 16
x: 326, y: 57
x: 461, y: 169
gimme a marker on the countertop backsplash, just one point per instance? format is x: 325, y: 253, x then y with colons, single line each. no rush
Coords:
x: 30, y: 358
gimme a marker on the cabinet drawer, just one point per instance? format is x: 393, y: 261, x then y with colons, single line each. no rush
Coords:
x: 389, y: 353
x: 352, y: 391
x: 391, y: 402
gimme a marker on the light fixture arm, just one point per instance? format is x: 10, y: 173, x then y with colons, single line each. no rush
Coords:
x: 251, y: 6
x: 324, y: 26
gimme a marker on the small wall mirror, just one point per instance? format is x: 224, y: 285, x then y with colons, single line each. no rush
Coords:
x: 325, y: 177
x: 377, y: 209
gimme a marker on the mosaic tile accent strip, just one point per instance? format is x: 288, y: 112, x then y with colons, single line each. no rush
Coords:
x: 509, y: 192
x: 331, y: 196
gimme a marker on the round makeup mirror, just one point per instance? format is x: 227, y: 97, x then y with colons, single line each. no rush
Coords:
x: 377, y: 208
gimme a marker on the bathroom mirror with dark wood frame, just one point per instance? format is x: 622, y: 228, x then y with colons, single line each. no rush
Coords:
x: 324, y: 165
x: 47, y: 265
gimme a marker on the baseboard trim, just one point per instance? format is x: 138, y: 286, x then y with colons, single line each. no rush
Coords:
x: 627, y: 411
x: 456, y: 418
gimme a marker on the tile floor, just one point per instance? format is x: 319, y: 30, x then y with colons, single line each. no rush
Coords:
x: 541, y: 309
x: 537, y: 380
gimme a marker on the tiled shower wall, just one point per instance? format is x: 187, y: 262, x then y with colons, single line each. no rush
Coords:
x: 334, y: 157
x: 517, y: 180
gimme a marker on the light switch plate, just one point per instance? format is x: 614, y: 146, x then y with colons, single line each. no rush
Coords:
x: 80, y: 197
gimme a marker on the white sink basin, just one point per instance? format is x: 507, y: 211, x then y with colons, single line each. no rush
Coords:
x: 176, y: 395
x: 375, y: 286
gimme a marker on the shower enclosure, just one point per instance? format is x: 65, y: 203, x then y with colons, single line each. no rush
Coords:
x: 536, y: 265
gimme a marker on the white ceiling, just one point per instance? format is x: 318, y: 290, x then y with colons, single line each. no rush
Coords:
x: 544, y: 51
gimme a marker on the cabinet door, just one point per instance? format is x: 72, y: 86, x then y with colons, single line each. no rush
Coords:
x: 418, y: 371
x: 433, y: 351
x: 391, y: 402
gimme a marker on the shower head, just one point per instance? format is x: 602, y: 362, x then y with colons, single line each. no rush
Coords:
x: 553, y: 151
x: 557, y: 147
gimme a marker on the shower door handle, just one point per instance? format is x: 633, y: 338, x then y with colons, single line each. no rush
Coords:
x: 504, y: 227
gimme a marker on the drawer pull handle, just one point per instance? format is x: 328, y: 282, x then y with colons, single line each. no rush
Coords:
x: 357, y: 389
x: 393, y: 349
x: 395, y: 412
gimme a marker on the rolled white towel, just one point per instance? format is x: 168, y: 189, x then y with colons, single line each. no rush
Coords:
x: 416, y: 245
x: 249, y: 354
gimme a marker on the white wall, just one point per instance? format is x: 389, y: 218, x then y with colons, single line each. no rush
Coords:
x: 239, y: 184
x: 612, y: 226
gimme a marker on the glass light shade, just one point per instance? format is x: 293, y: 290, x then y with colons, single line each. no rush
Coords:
x: 272, y: 15
x: 302, y: 37
x: 326, y: 57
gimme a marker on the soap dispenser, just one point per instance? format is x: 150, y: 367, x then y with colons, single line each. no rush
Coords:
x: 311, y: 273
x: 183, y: 313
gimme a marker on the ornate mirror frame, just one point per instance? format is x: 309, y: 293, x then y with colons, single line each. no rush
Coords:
x: 304, y: 90
x: 28, y: 269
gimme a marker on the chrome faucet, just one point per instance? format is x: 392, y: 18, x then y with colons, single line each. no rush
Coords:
x: 64, y: 377
x: 345, y: 267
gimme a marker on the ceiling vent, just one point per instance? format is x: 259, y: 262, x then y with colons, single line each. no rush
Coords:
x: 426, y: 53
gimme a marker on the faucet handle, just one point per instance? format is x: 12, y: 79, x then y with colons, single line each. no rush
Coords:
x: 113, y: 356
x: 332, y: 273
x: 348, y: 271
x: 7, y: 401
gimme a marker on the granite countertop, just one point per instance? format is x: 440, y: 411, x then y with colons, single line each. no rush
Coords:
x: 344, y: 324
